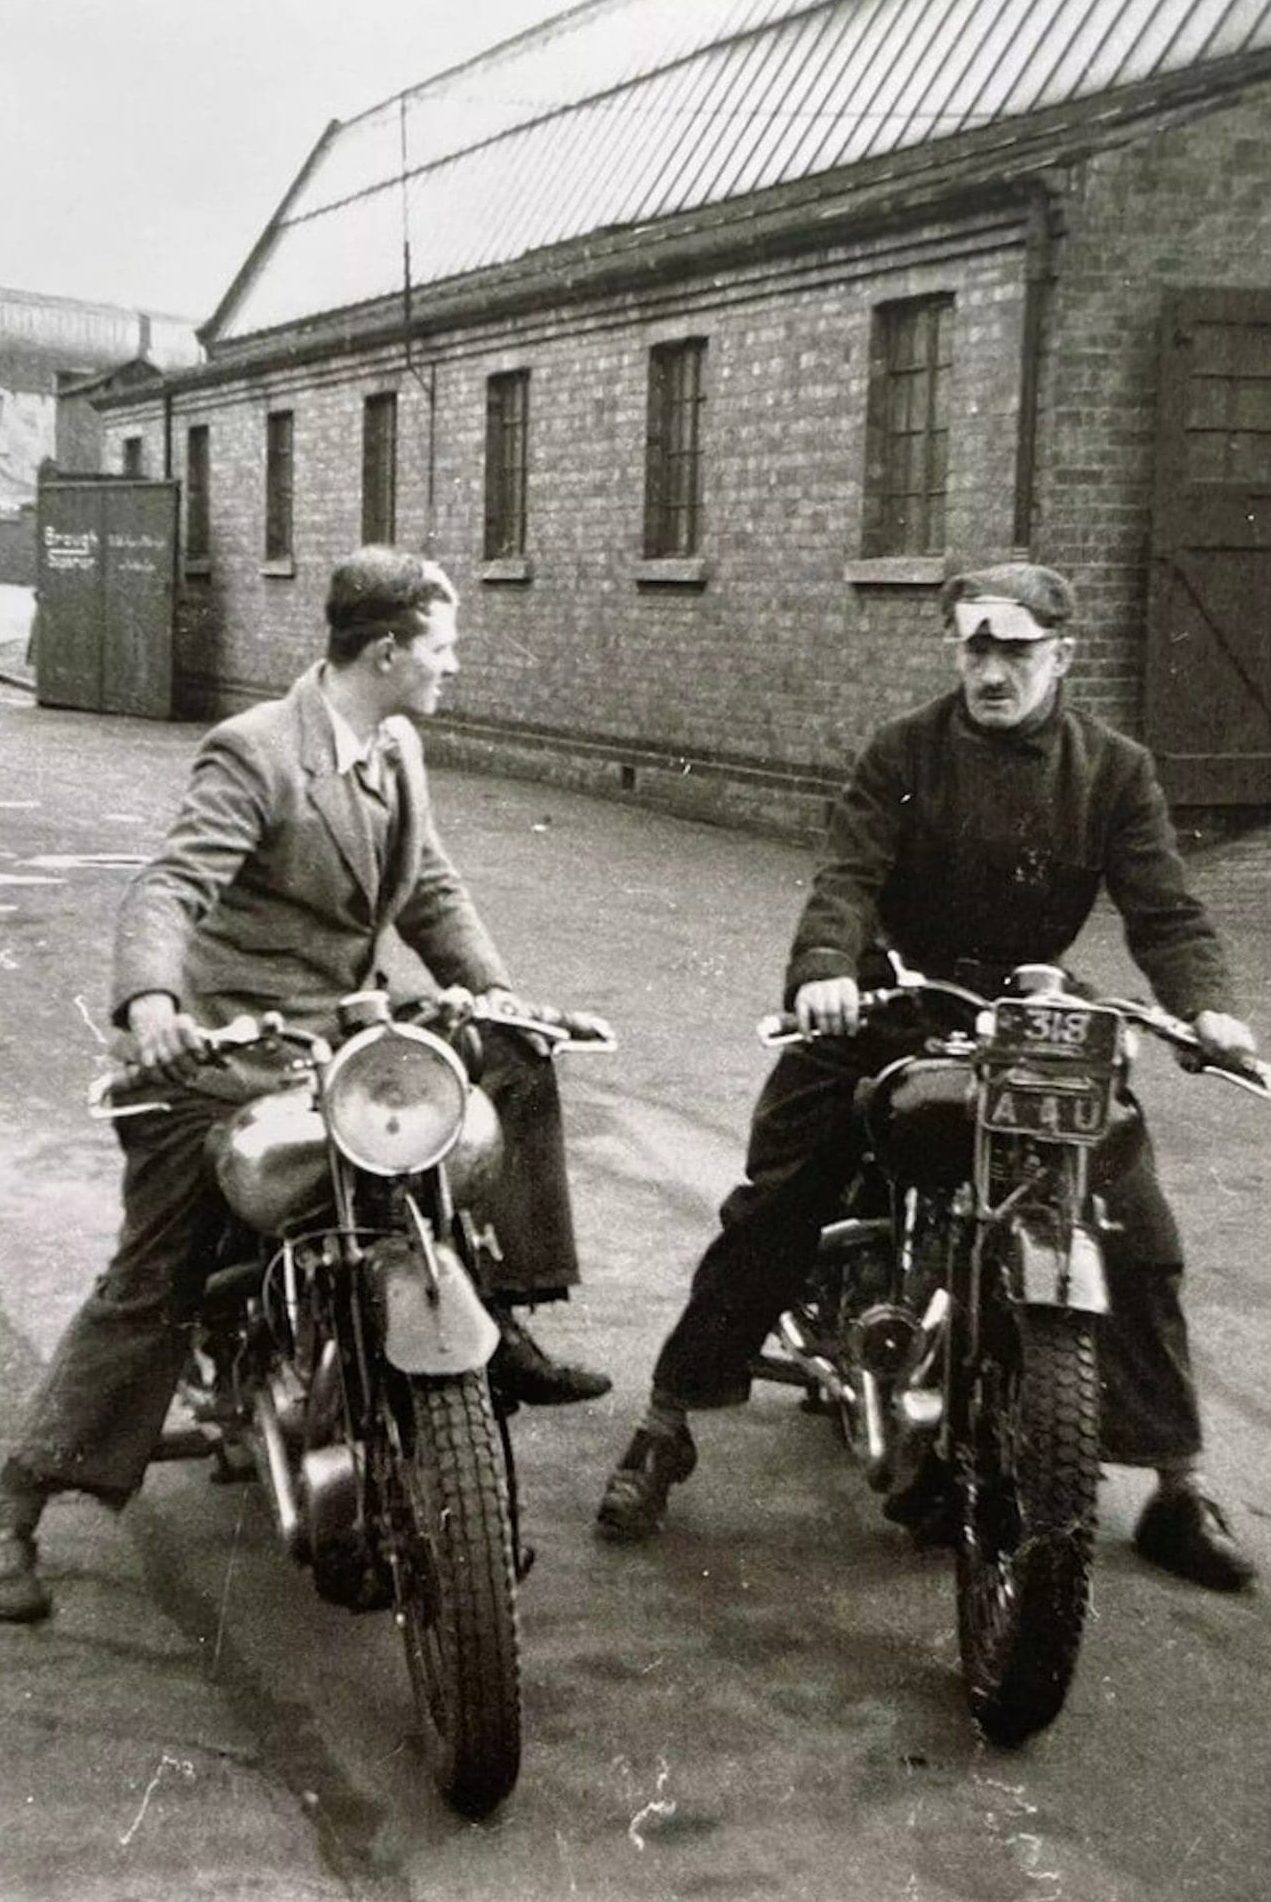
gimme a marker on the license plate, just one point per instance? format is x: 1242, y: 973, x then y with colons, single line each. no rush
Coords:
x: 1082, y: 1033
x: 1072, y: 1109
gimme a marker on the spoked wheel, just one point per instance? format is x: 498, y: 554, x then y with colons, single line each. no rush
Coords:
x: 457, y: 1591
x: 1028, y: 1481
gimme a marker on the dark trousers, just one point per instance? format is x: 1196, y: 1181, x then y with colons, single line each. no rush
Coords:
x: 99, y: 1410
x: 797, y: 1166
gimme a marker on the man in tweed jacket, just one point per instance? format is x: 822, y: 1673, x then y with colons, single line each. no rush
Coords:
x: 303, y: 857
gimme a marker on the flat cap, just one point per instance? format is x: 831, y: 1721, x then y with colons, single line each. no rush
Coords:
x: 1047, y: 596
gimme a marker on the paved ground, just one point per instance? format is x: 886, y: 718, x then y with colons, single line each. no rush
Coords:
x: 763, y: 1702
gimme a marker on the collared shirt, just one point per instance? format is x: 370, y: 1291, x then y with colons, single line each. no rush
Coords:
x: 955, y: 842
x: 350, y: 752
x: 366, y: 762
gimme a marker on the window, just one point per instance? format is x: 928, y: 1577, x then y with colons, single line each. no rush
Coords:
x: 133, y: 456
x: 907, y: 437
x: 379, y: 468
x: 279, y: 479
x: 507, y: 402
x: 196, y: 492
x: 673, y: 475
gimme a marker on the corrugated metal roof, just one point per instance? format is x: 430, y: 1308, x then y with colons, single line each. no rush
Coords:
x: 68, y: 333
x: 624, y: 111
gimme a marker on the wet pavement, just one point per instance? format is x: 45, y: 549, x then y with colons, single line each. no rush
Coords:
x: 765, y: 1700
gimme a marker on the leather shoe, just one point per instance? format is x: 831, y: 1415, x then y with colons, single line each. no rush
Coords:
x: 634, y: 1501
x: 520, y: 1370
x: 1187, y: 1534
x: 24, y: 1597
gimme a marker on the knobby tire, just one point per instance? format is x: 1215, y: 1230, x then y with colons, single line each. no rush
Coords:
x: 1028, y: 1494
x: 459, y: 1613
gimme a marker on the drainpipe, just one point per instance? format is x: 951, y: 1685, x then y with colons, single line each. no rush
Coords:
x: 167, y: 433
x: 1038, y: 276
x: 430, y: 523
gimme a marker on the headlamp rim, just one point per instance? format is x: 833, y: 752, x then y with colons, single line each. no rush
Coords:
x: 353, y: 1048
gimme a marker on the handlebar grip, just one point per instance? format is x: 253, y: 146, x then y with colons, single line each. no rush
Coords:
x: 784, y: 1023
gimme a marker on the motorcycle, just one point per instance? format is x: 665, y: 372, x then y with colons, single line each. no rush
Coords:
x: 342, y: 1346
x: 953, y: 1311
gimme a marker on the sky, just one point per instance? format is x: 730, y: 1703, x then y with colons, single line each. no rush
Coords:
x: 144, y: 144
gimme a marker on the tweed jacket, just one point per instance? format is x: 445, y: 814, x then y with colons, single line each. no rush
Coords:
x: 267, y: 893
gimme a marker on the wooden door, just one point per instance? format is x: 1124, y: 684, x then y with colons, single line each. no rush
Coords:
x: 1209, y: 603
x: 107, y: 566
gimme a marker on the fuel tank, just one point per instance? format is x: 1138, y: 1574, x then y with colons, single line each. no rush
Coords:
x: 270, y: 1158
x: 474, y: 1163
x: 920, y: 1120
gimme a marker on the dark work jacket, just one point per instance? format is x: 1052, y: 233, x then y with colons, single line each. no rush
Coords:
x: 954, y: 843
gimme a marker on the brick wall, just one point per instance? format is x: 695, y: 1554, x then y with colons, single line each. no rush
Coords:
x: 748, y: 697
x: 713, y: 699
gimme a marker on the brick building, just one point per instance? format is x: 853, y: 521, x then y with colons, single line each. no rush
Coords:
x: 48, y: 347
x: 700, y: 372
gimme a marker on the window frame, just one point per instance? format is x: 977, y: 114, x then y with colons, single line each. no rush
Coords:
x: 379, y: 466
x: 280, y: 486
x: 507, y: 430
x: 198, y: 469
x: 906, y: 488
x: 673, y: 463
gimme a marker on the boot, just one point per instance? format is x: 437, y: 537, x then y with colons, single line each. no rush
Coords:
x: 634, y: 1502
x: 1185, y: 1533
x: 520, y: 1370
x: 24, y: 1597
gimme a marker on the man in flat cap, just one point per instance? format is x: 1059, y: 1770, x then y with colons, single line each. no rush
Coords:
x: 973, y: 836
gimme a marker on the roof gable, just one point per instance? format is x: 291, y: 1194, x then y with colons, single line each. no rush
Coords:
x: 622, y: 112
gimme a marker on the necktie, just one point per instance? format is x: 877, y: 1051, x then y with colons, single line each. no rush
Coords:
x: 377, y: 778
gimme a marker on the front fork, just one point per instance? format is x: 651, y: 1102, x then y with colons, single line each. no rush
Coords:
x: 1036, y: 1244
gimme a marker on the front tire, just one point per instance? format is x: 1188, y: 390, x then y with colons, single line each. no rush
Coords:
x: 457, y: 1591
x: 1028, y: 1480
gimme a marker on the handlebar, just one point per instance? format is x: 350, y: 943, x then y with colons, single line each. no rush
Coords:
x: 240, y: 1033
x: 781, y: 1028
x: 1251, y: 1073
x: 561, y: 1029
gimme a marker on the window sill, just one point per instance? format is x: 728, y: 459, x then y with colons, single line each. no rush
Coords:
x: 672, y: 571
x: 508, y: 568
x: 282, y: 567
x: 197, y: 569
x: 896, y: 571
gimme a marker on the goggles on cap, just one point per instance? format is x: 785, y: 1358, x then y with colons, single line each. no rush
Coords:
x: 1000, y: 618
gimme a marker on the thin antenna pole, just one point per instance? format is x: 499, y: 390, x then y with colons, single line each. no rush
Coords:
x: 406, y: 311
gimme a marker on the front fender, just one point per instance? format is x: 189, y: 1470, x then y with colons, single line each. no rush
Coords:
x: 1042, y: 1272
x: 434, y: 1319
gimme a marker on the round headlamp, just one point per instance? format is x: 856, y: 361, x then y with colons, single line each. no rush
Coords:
x: 394, y: 1098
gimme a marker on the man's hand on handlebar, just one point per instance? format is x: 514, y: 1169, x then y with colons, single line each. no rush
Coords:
x: 167, y: 1040
x: 830, y: 1005
x: 1225, y: 1039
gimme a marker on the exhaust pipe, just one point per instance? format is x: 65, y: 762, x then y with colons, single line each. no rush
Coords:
x: 796, y: 1342
x: 278, y: 1474
x: 875, y: 1431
